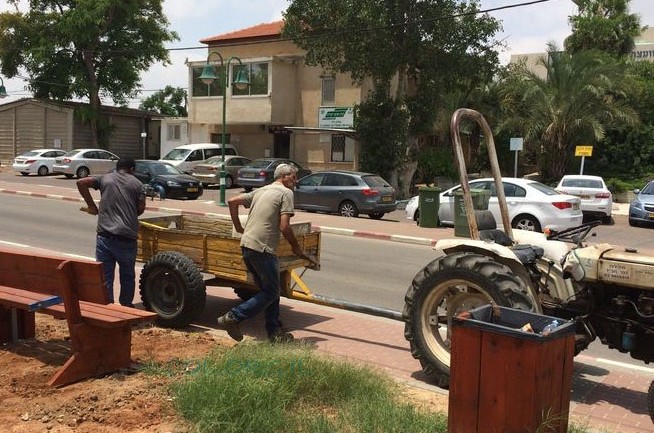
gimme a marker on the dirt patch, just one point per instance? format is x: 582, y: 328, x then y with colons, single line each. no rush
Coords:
x: 122, y: 402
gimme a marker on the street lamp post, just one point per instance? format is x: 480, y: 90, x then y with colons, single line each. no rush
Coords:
x: 240, y: 82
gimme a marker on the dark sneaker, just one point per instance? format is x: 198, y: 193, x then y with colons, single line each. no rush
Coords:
x: 281, y: 337
x: 229, y: 323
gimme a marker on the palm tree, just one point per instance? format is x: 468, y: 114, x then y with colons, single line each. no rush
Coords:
x: 581, y: 96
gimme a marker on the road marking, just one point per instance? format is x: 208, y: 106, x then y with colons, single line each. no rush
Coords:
x: 625, y: 365
x: 13, y: 244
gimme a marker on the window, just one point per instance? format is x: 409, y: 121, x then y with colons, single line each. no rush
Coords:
x: 328, y: 91
x: 174, y: 132
x: 342, y: 148
x: 257, y: 74
x: 201, y: 89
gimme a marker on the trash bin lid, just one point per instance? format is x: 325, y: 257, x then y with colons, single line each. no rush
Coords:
x: 509, y: 322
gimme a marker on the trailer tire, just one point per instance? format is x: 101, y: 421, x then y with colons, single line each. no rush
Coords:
x: 447, y: 286
x: 172, y: 286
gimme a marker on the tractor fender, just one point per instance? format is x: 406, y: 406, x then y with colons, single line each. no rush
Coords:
x: 497, y: 252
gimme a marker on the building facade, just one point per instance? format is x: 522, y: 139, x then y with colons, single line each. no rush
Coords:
x: 283, y: 92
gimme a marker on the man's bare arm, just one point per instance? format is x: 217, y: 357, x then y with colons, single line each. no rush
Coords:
x: 83, y: 186
x: 233, y: 204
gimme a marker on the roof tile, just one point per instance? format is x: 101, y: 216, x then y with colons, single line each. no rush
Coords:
x: 259, y: 31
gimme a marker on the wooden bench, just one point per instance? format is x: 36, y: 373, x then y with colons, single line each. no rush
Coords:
x: 71, y: 289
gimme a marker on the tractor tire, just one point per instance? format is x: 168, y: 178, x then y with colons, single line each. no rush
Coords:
x: 171, y: 285
x: 650, y: 401
x: 447, y: 286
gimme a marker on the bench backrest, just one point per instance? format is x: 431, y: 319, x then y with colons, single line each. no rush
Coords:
x: 38, y: 273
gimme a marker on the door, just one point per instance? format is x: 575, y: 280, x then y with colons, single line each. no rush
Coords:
x: 281, y: 145
x: 307, y: 192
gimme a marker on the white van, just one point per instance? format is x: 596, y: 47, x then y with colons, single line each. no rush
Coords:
x: 189, y: 155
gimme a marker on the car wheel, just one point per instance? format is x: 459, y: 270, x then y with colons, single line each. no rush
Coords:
x: 376, y: 215
x: 348, y: 209
x: 229, y: 182
x: 83, y: 172
x: 43, y: 171
x: 24, y: 173
x: 526, y: 222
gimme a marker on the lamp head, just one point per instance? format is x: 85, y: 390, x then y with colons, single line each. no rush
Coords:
x: 241, y: 81
x: 208, y: 75
x: 3, y: 90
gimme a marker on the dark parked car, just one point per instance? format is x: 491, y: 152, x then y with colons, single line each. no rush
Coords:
x: 167, y: 181
x: 347, y: 193
x: 261, y: 171
x: 208, y: 171
x: 641, y: 209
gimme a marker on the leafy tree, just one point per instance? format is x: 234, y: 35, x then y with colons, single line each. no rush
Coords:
x: 412, y: 52
x: 604, y: 25
x: 581, y: 97
x: 84, y: 49
x: 170, y: 101
x: 628, y: 150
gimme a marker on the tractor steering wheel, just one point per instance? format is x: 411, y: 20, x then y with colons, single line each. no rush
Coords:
x: 576, y: 235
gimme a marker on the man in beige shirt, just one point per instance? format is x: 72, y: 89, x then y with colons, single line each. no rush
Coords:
x: 271, y: 208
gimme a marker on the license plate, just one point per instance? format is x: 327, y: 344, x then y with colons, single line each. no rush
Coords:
x: 387, y: 199
x: 584, y: 197
x: 191, y: 189
x: 247, y: 175
x: 650, y: 215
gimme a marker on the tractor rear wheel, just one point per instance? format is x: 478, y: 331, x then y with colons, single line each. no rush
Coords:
x: 447, y: 286
x: 650, y: 401
x: 172, y: 286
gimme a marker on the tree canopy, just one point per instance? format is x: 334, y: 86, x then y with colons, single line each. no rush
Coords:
x: 84, y: 49
x: 411, y: 52
x: 604, y: 25
x: 171, y: 101
x: 580, y: 98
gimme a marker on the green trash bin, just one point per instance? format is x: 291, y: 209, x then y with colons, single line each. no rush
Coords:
x: 480, y: 199
x: 428, y: 202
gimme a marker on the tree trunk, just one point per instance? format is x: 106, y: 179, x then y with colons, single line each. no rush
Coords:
x: 94, y: 100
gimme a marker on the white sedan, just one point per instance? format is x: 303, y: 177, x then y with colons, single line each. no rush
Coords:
x: 596, y: 199
x: 532, y: 205
x: 37, y: 161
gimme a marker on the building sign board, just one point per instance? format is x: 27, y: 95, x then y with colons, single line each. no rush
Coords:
x: 335, y: 117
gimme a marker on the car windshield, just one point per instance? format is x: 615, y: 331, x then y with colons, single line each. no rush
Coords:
x: 583, y: 183
x: 164, y: 169
x: 649, y: 189
x: 177, y: 154
x: 214, y: 160
x: 375, y: 181
x: 259, y: 163
x: 547, y: 190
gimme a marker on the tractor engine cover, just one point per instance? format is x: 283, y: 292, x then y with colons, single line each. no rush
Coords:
x: 627, y: 267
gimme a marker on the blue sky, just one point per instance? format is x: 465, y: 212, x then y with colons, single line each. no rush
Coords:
x: 527, y: 29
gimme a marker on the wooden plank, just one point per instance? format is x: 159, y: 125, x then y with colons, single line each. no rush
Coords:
x: 465, y: 369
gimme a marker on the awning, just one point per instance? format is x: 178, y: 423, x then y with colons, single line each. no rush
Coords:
x: 316, y: 130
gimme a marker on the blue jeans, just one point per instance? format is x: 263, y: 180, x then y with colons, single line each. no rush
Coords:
x: 265, y: 271
x: 109, y: 250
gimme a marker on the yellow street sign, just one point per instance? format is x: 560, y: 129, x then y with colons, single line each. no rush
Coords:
x: 584, y: 151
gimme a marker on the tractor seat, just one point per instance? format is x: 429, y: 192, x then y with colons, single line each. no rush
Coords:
x: 526, y: 253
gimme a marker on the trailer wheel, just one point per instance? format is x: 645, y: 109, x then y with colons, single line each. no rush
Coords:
x: 445, y: 287
x: 650, y: 401
x: 172, y: 286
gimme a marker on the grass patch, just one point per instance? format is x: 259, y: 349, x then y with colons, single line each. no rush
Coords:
x: 285, y: 388
x: 263, y: 388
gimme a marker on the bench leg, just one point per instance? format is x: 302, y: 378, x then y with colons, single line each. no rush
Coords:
x: 96, y: 351
x: 16, y: 324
